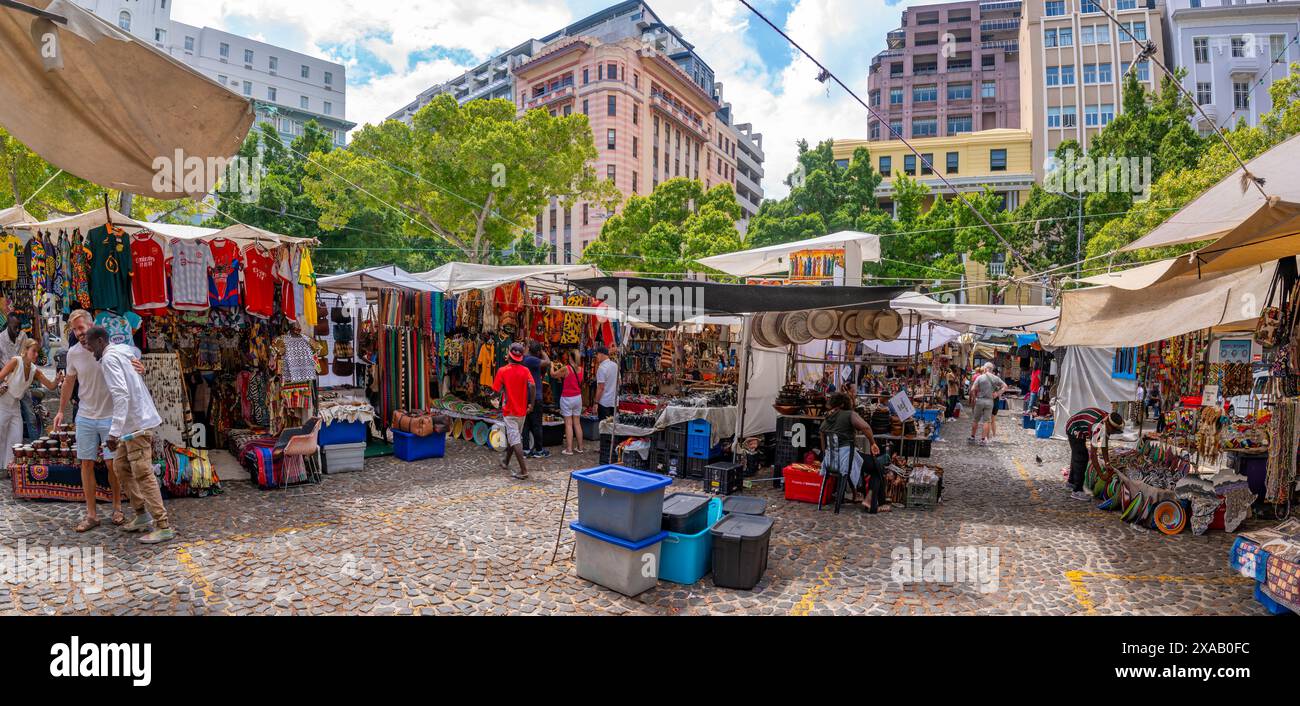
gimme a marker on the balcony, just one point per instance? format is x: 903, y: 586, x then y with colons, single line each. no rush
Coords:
x: 999, y: 25
x: 680, y: 116
x: 548, y: 97
x: 1000, y: 5
x: 896, y: 39
x: 1010, y: 45
x: 1211, y: 111
x: 1247, y: 66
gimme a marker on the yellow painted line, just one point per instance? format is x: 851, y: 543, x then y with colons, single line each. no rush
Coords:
x: 1029, y: 482
x: 809, y: 598
x: 1081, y: 594
x: 186, y: 560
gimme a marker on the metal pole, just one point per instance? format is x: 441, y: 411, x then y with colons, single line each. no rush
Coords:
x: 1078, y: 248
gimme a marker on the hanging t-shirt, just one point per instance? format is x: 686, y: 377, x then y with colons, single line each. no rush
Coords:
x: 486, y: 361
x: 149, y: 273
x: 191, y: 263
x: 307, y: 278
x: 259, y: 282
x: 80, y: 273
x: 9, y: 247
x: 223, y: 287
x: 121, y: 329
x: 110, y: 268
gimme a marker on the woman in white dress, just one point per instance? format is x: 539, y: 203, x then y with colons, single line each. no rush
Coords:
x: 15, y: 379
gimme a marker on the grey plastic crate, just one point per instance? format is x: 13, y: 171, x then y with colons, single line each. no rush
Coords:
x: 631, y: 513
x: 629, y: 568
x: 344, y: 458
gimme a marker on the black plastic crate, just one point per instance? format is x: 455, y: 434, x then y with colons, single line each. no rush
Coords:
x: 691, y: 468
x: 609, y: 454
x: 724, y: 478
x: 672, y: 439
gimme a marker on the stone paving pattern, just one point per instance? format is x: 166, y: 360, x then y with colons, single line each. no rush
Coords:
x: 459, y: 536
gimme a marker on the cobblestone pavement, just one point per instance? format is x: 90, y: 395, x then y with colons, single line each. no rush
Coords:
x: 460, y: 536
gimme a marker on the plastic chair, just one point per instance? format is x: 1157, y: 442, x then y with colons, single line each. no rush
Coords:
x: 300, y: 444
x: 844, y: 477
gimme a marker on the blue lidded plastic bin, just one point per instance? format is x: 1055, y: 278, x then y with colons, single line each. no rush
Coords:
x: 620, y: 501
x: 685, y: 558
x: 698, y: 434
x: 627, y: 567
x: 1027, y: 422
x: 410, y: 447
x: 1045, y: 428
x: 342, y: 433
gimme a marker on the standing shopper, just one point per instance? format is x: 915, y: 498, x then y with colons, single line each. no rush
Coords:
x: 536, y: 361
x: 1081, y: 428
x: 93, y: 419
x: 952, y: 383
x: 11, y: 344
x: 518, y: 395
x: 571, y: 404
x: 1035, y: 387
x: 130, y: 436
x: 606, y: 384
x: 16, y: 376
x: 983, y: 395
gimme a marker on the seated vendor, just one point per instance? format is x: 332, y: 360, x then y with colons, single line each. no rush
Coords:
x: 841, y: 425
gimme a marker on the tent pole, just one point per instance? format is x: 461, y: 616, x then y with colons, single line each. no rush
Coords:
x: 742, y: 382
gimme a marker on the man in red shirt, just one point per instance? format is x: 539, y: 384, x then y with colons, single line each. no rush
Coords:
x: 514, y: 381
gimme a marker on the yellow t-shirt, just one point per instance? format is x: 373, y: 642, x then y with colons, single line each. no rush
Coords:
x: 486, y: 360
x: 307, y: 278
x: 9, y: 248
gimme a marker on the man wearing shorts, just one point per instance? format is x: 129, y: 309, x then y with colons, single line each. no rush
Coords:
x: 983, y: 392
x: 518, y: 395
x: 93, y: 420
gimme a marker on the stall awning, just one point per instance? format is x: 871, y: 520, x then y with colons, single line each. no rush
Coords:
x: 83, y: 222
x: 246, y: 235
x: 15, y: 215
x: 382, y: 277
x: 1115, y: 317
x: 1003, y: 316
x: 921, y: 338
x: 115, y: 106
x: 776, y: 258
x: 456, y: 277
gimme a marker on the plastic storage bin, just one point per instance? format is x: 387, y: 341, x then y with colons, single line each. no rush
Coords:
x: 620, y: 501
x: 590, y: 428
x: 686, y: 558
x: 337, y: 433
x: 802, y: 486
x: 724, y: 478
x: 686, y: 513
x: 618, y: 564
x: 1027, y: 421
x: 744, y: 505
x: 740, y: 544
x: 1044, y: 429
x: 698, y: 434
x: 344, y: 458
x: 410, y: 447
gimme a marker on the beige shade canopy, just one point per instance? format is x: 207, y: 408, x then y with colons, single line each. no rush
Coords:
x: 115, y: 107
x: 15, y: 215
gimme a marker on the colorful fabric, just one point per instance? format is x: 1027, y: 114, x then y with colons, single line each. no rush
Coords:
x: 259, y: 282
x: 56, y: 482
x: 307, y: 278
x: 223, y: 286
x: 110, y: 268
x: 65, y: 272
x: 486, y: 360
x: 81, y: 258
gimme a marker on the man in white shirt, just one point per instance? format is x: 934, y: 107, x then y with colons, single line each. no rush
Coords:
x: 130, y: 436
x: 11, y: 346
x: 606, y: 384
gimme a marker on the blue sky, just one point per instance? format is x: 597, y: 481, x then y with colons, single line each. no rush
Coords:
x: 393, y: 49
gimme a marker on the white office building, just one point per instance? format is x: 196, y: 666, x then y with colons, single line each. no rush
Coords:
x: 288, y: 89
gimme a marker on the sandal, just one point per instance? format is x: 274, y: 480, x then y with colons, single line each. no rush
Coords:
x: 118, y: 519
x: 518, y: 476
x: 87, y: 525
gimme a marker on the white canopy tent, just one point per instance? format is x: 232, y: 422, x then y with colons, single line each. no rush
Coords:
x: 455, y: 277
x: 106, y: 106
x: 1003, y: 316
x: 381, y: 277
x: 921, y: 338
x: 1085, y: 381
x: 83, y: 222
x: 860, y: 248
x: 15, y: 215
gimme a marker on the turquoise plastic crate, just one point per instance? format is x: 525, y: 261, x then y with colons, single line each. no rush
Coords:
x: 685, y: 558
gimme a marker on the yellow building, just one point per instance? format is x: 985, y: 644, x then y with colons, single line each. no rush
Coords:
x: 999, y: 158
x: 989, y: 284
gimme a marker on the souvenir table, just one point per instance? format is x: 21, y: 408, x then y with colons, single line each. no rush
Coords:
x: 722, y: 420
x: 56, y: 482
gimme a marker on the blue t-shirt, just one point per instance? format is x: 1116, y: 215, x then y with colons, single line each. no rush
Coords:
x: 534, y: 365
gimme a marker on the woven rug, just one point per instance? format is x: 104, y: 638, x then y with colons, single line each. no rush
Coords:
x: 56, y: 483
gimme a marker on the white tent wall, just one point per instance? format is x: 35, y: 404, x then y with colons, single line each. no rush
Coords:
x: 766, y: 376
x: 1084, y: 381
x: 355, y: 304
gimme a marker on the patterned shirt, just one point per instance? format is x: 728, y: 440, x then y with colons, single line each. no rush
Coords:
x: 191, y: 261
x: 1082, y: 424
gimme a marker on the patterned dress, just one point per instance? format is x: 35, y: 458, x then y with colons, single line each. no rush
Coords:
x: 80, y: 272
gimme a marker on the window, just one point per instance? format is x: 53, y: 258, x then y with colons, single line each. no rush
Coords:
x: 1065, y: 36
x: 329, y: 78
x: 329, y: 108
x: 636, y: 114
x: 909, y: 164
x: 611, y: 173
x: 895, y: 96
x: 600, y: 72
x: 886, y: 164
x: 1239, y: 47
x: 221, y: 79
x: 1196, y: 3
x: 989, y: 89
x: 927, y: 164
x: 270, y: 93
x: 634, y: 180
x: 273, y: 64
x: 1103, y: 73
x: 248, y: 56
x: 1054, y: 8
x: 925, y: 127
x: 1143, y: 71
x: 1126, y: 5
x: 1086, y: 37
x: 1276, y: 45
x: 873, y: 97
x: 951, y: 167
x: 584, y: 107
x: 248, y: 88
x: 959, y: 123
x: 959, y: 92
x: 988, y: 61
x: 613, y: 106
x: 1201, y: 49
x: 1053, y: 75
x: 160, y: 36
x: 124, y: 20
x: 306, y: 71
x: 896, y: 128
x: 612, y: 71
x: 1067, y: 75
x: 1107, y: 114
x: 925, y: 94
x: 636, y: 81
x: 586, y: 76
x: 224, y: 51
x: 568, y: 109
x: 1204, y: 93
x: 189, y: 44
x: 1088, y: 6
x: 304, y: 102
x: 1089, y: 74
x: 610, y: 140
x: 873, y: 132
x: 1069, y: 116
x: 1049, y: 37
x: 1240, y: 95
x: 997, y: 160
x: 1053, y: 117
x: 1103, y: 34
x: 1139, y: 30
x: 1091, y: 116
x: 586, y: 221
x: 635, y: 145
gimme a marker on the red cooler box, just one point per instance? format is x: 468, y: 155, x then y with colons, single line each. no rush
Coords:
x: 802, y: 486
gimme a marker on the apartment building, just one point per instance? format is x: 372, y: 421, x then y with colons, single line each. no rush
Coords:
x: 288, y: 88
x: 652, y: 121
x: 1227, y: 48
x: 998, y: 158
x: 749, y: 161
x: 951, y: 68
x: 1075, y: 61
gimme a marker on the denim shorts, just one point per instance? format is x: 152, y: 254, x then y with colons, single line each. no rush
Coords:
x: 91, y: 435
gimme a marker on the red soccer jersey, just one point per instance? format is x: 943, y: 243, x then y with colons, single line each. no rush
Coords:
x: 259, y: 282
x: 148, y: 273
x: 515, y: 378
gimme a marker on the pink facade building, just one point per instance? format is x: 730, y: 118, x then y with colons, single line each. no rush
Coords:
x: 951, y: 68
x: 650, y: 120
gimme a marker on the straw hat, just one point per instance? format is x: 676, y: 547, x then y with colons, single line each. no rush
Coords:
x: 795, y: 325
x: 770, y: 325
x: 889, y: 324
x: 760, y: 332
x: 823, y: 323
x: 866, y: 324
x: 849, y: 327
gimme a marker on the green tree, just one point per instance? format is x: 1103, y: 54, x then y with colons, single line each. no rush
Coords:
x: 466, y: 177
x: 668, y: 230
x: 824, y: 197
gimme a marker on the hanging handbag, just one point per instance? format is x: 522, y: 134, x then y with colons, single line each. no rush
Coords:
x: 340, y: 315
x: 343, y: 350
x: 322, y: 320
x: 1270, y: 319
x: 343, y: 368
x: 343, y: 333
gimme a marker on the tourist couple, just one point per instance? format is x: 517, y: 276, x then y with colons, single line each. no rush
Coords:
x: 116, y: 412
